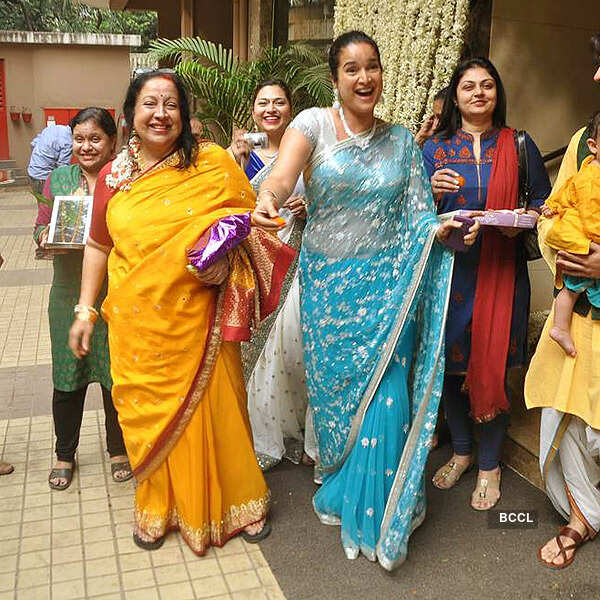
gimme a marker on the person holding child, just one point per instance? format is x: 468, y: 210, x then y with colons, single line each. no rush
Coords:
x: 565, y: 386
x: 577, y: 224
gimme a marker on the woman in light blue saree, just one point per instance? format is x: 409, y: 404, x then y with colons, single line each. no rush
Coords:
x: 374, y: 292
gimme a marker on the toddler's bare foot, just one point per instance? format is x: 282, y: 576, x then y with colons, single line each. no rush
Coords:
x: 563, y: 338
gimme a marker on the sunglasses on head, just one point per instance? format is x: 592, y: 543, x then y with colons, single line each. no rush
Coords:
x: 146, y: 70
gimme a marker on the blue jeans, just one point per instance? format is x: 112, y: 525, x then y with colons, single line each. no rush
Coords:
x: 491, y: 434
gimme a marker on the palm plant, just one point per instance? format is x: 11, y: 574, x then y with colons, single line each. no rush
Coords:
x: 223, y: 85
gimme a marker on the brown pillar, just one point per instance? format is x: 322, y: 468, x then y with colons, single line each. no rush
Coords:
x: 260, y: 26
x: 280, y: 22
x: 187, y: 18
x: 240, y: 28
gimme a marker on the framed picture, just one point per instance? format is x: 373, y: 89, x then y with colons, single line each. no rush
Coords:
x: 70, y: 223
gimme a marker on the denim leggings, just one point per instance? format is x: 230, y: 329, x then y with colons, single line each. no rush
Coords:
x: 491, y: 434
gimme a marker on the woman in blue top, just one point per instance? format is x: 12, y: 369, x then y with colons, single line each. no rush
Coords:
x: 273, y: 363
x: 473, y: 165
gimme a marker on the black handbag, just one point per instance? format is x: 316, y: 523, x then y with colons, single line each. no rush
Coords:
x: 529, y: 238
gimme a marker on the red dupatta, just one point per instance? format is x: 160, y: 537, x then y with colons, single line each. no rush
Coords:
x: 494, y: 294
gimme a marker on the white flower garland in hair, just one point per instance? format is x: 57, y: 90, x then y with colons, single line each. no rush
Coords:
x: 420, y: 43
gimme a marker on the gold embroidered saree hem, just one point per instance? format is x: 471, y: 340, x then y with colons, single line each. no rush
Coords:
x: 215, y: 533
x: 209, y: 487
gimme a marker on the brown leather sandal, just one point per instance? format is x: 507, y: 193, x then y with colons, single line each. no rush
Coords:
x: 570, y: 533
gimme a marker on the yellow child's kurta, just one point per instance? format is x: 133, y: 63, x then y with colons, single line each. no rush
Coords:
x: 178, y: 388
x: 555, y: 380
x: 577, y: 208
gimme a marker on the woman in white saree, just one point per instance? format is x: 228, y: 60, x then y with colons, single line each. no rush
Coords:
x: 273, y: 360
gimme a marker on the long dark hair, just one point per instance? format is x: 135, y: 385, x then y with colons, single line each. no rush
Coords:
x: 186, y: 141
x: 277, y: 82
x: 100, y: 116
x: 350, y: 37
x: 451, y: 119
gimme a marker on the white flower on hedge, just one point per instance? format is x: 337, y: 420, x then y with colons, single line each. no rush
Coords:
x: 420, y: 43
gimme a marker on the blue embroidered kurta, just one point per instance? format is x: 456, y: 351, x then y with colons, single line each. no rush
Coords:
x: 457, y: 153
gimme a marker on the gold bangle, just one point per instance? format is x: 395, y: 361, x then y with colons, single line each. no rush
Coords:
x: 86, y: 313
x: 273, y: 194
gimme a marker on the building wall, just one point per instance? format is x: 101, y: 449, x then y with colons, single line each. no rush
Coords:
x: 214, y: 21
x: 541, y: 49
x: 59, y: 77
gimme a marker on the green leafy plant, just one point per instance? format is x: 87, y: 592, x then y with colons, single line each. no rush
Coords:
x: 71, y: 16
x: 223, y: 85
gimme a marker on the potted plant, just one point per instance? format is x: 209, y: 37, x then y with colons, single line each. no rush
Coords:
x: 223, y: 85
x: 15, y: 114
x: 26, y: 114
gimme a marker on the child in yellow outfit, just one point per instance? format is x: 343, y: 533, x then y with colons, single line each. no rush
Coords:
x: 577, y: 223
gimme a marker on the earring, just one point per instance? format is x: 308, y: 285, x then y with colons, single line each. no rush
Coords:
x: 336, y: 99
x: 134, y: 144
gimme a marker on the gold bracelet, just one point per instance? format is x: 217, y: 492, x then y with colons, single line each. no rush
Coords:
x: 86, y: 313
x: 273, y: 194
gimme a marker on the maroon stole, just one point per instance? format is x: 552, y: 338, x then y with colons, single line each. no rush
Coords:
x: 494, y: 294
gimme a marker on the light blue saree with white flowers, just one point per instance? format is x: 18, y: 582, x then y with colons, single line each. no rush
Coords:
x: 375, y: 287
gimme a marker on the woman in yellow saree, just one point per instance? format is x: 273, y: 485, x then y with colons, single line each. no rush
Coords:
x: 178, y: 384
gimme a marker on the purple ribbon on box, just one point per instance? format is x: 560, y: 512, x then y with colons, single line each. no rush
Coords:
x: 217, y: 241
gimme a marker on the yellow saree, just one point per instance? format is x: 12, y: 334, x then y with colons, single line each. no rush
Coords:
x: 178, y: 387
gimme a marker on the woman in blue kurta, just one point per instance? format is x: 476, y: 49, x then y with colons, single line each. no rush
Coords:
x: 466, y: 146
x: 373, y: 296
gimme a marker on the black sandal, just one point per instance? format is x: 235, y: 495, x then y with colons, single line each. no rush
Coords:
x: 257, y: 537
x: 61, y: 474
x: 121, y: 466
x: 144, y: 545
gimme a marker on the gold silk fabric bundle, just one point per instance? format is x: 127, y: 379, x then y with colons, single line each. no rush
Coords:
x: 257, y: 270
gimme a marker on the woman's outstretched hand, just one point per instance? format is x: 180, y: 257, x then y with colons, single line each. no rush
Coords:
x: 446, y: 228
x: 79, y: 337
x: 297, y: 206
x: 581, y: 265
x: 265, y: 213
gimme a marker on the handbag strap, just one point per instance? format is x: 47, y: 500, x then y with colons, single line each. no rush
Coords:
x: 523, y: 168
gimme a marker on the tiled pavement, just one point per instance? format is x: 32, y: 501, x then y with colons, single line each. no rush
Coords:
x: 77, y: 543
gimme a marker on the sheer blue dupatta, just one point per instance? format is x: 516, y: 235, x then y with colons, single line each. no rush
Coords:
x: 375, y: 289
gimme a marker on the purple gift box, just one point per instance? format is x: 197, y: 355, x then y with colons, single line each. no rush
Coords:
x: 498, y: 218
x: 217, y: 241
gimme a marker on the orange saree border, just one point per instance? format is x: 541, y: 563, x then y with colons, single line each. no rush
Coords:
x: 258, y: 271
x: 171, y: 434
x: 282, y: 265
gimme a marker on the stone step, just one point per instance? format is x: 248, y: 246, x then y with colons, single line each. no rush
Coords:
x: 523, y: 461
x: 8, y: 164
x: 521, y: 448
